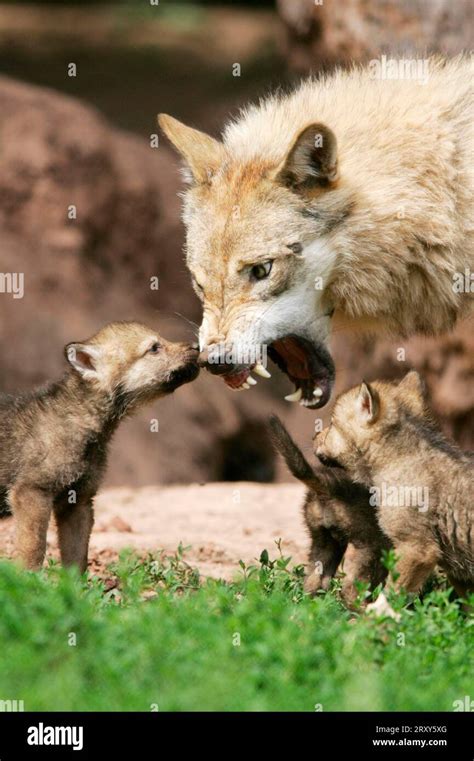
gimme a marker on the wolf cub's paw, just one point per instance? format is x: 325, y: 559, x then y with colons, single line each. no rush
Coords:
x: 382, y: 608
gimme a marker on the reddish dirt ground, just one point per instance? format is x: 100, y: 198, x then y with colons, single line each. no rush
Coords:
x: 221, y: 522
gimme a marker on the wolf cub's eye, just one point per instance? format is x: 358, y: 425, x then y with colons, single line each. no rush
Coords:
x: 261, y: 271
x: 154, y: 349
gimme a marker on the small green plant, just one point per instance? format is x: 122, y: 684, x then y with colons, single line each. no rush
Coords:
x: 276, y: 574
x: 158, y: 571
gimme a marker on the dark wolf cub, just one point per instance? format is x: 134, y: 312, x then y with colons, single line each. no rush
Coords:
x: 53, y: 441
x: 339, y: 518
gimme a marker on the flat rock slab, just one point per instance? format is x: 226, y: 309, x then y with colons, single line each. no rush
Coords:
x: 222, y: 523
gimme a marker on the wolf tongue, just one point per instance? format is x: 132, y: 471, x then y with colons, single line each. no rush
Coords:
x: 236, y: 379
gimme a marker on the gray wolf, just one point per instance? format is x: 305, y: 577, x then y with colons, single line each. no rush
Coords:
x: 54, y: 440
x: 347, y: 202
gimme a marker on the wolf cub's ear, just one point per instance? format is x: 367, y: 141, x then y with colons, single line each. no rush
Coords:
x: 82, y: 358
x: 312, y: 159
x: 413, y: 389
x: 368, y: 404
x: 202, y: 154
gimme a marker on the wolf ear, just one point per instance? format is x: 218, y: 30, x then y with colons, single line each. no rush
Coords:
x: 414, y: 390
x: 368, y: 404
x: 83, y: 359
x: 201, y: 152
x: 312, y: 159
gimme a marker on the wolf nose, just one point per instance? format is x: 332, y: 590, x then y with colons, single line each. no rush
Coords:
x: 214, y: 358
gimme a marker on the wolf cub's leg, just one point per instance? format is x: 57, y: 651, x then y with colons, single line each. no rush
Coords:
x: 32, y: 510
x: 74, y: 524
x: 414, y: 565
x: 463, y: 589
x: 325, y: 555
x: 363, y: 564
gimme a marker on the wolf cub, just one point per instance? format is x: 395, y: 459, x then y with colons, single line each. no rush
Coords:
x: 339, y: 518
x: 421, y: 484
x: 53, y: 441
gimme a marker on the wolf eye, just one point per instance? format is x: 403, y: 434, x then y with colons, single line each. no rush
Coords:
x: 154, y: 349
x: 261, y: 271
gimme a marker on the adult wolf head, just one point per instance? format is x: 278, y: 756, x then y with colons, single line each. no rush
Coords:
x: 285, y: 222
x: 259, y: 256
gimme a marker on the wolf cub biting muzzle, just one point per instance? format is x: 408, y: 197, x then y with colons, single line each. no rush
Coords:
x: 339, y: 518
x: 53, y: 441
x: 421, y: 484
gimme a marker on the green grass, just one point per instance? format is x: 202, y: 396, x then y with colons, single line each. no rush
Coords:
x: 178, y: 650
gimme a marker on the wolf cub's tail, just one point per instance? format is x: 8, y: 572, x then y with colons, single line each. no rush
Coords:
x: 292, y: 454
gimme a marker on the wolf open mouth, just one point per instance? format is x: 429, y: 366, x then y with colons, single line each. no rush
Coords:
x: 308, y: 365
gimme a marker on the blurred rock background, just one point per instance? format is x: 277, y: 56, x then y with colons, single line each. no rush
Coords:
x: 87, y: 141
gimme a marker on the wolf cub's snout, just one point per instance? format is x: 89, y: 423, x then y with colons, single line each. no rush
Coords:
x: 53, y: 441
